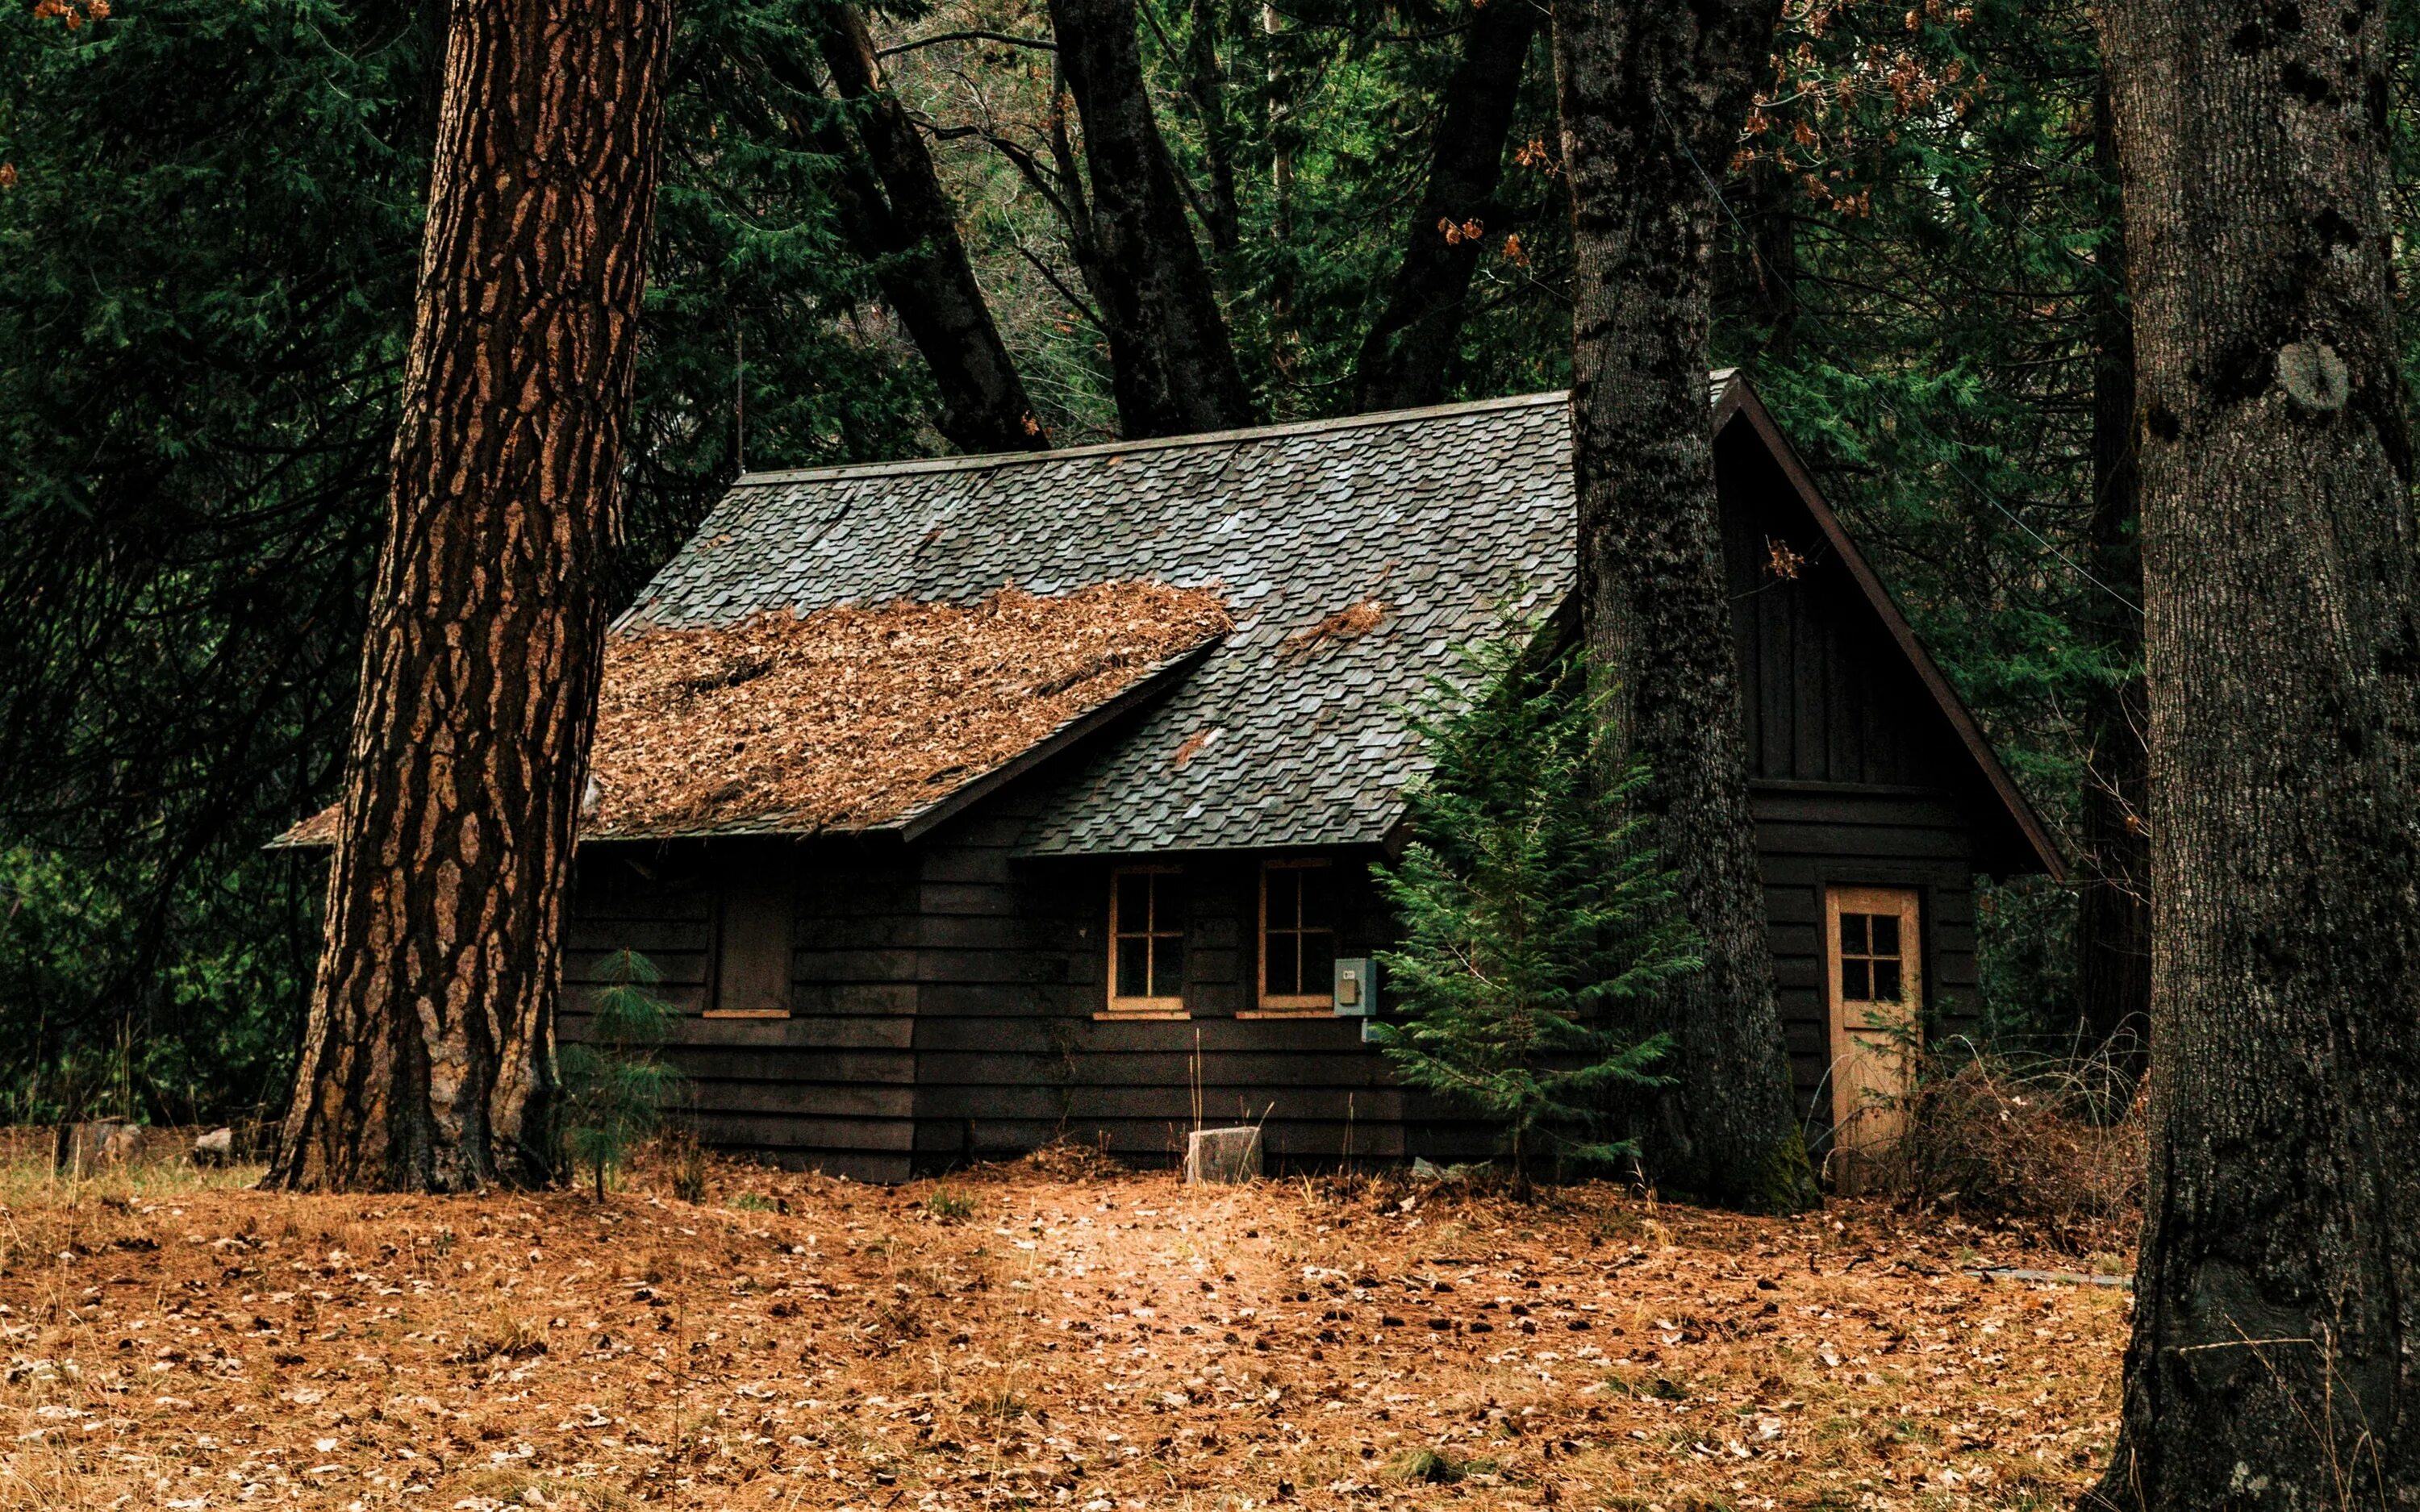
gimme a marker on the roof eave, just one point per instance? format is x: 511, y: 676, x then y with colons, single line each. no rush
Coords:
x: 1737, y: 401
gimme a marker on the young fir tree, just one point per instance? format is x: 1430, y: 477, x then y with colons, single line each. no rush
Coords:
x: 1533, y: 910
x: 614, y: 1086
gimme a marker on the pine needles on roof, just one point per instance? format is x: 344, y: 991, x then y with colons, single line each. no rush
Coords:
x: 852, y: 717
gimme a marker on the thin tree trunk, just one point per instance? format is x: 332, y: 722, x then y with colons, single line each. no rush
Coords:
x: 1653, y: 99
x: 1407, y: 359
x: 922, y: 265
x: 1771, y: 216
x: 1206, y: 82
x: 2276, y: 1360
x: 1277, y: 121
x: 2112, y: 924
x: 429, y: 1057
x: 1172, y: 366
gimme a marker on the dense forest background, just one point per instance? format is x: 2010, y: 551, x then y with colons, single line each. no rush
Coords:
x: 209, y: 220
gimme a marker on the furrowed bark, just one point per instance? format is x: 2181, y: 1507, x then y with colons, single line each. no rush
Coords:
x: 2112, y: 924
x: 1407, y: 359
x: 428, y: 1056
x: 1172, y: 366
x: 1652, y: 99
x: 922, y: 261
x: 2275, y: 1359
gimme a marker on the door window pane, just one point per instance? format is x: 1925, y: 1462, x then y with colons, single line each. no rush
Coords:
x: 1872, y: 965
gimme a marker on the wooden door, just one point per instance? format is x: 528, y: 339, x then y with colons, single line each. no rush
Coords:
x: 1874, y: 982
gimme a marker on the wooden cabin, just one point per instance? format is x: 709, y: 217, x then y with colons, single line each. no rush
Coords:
x: 1094, y: 872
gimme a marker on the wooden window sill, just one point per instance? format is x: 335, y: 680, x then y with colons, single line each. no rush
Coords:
x: 1146, y: 1013
x: 1320, y: 1011
x: 746, y: 1013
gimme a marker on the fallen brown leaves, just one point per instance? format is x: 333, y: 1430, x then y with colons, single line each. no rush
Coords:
x: 1039, y: 1337
x: 1358, y: 618
x: 847, y: 717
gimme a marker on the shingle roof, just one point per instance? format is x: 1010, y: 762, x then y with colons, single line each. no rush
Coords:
x: 1284, y: 735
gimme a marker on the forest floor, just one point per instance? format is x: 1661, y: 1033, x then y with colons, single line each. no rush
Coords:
x: 1055, y: 1334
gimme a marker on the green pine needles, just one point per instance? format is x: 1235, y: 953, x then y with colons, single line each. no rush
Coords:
x: 614, y: 1083
x: 1532, y: 909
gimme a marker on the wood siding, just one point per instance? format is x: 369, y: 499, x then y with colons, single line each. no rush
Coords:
x: 947, y: 996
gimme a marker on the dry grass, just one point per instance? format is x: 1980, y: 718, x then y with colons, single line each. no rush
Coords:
x: 1057, y: 1334
x: 2053, y: 1144
x: 850, y: 717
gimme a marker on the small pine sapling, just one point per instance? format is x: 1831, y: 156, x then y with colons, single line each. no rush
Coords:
x: 615, y: 1082
x: 1532, y: 909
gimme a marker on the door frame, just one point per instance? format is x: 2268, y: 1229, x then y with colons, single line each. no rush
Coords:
x: 1913, y: 908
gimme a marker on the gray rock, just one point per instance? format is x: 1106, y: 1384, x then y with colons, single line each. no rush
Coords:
x: 216, y: 1148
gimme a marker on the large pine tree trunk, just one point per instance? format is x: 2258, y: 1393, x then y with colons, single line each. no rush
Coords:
x: 922, y: 260
x: 1652, y: 99
x: 1172, y: 368
x: 427, y: 1060
x: 2276, y: 1360
x: 2112, y: 924
x: 2114, y: 913
x: 1408, y: 356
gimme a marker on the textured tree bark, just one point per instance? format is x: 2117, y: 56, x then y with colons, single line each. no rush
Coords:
x: 1172, y: 368
x: 427, y: 1059
x: 2113, y: 923
x: 921, y: 260
x: 2275, y: 1359
x: 1407, y: 358
x: 1652, y: 99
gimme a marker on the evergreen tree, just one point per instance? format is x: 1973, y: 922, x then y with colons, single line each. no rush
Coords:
x: 1534, y: 912
x: 615, y: 1082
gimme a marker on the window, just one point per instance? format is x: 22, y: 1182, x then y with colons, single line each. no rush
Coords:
x: 1869, y: 958
x: 751, y: 946
x: 1297, y: 936
x: 1147, y: 941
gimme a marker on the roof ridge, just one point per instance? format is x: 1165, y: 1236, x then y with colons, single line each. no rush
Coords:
x: 989, y: 461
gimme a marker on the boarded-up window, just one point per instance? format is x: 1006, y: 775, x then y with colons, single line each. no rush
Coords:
x: 1298, y: 936
x: 752, y: 946
x: 1147, y: 941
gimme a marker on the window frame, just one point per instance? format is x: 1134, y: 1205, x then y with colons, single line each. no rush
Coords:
x: 1290, y: 1004
x: 1142, y: 1007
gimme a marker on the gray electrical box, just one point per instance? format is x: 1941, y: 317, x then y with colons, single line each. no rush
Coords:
x: 1357, y: 988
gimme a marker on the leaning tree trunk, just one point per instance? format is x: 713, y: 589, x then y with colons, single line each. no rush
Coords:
x: 427, y: 1059
x: 1652, y: 99
x: 2276, y: 1360
x: 2113, y: 922
x: 1172, y: 368
x: 1408, y: 357
x: 923, y: 267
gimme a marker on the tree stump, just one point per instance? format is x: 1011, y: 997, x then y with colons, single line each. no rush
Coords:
x: 1224, y: 1157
